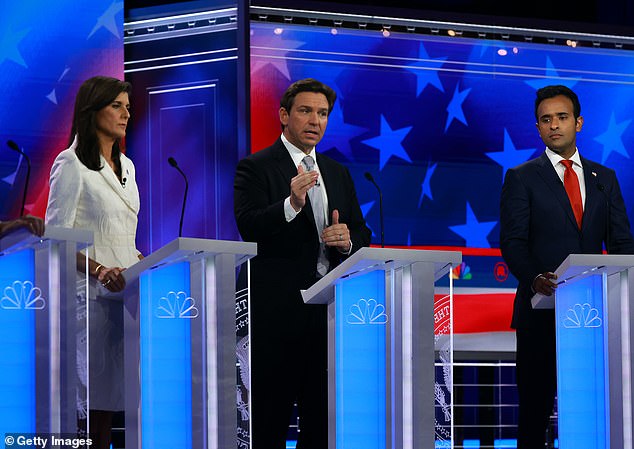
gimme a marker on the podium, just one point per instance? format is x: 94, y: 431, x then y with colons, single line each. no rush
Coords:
x: 180, y: 336
x: 594, y: 343
x: 38, y: 330
x: 381, y: 348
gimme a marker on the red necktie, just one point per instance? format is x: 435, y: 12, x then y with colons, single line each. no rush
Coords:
x: 571, y: 184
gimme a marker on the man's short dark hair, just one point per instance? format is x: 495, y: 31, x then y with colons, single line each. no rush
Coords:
x: 554, y: 90
x: 307, y: 85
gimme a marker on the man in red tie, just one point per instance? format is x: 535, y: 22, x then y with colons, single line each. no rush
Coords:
x: 555, y: 205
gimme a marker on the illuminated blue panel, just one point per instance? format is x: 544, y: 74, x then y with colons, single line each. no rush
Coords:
x: 360, y: 362
x: 506, y: 443
x: 166, y: 393
x: 581, y: 372
x: 17, y: 334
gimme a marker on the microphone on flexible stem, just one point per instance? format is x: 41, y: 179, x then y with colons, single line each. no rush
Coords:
x: 173, y: 163
x: 369, y: 177
x: 601, y: 188
x: 14, y: 146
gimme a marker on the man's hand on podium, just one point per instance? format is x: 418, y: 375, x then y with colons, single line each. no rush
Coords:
x: 31, y: 223
x: 544, y: 285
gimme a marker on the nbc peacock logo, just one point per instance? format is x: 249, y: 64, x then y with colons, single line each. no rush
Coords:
x: 177, y: 305
x: 367, y: 312
x: 22, y: 295
x: 462, y: 272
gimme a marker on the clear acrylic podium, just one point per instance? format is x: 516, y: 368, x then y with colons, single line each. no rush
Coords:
x: 383, y: 390
x: 38, y: 330
x: 180, y: 337
x: 593, y: 313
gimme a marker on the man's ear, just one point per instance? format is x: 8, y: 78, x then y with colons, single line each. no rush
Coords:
x: 579, y: 123
x: 283, y: 117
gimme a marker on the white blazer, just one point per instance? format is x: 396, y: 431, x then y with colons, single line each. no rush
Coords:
x: 97, y: 201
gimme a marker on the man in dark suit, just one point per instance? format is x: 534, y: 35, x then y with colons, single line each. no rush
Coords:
x: 541, y: 224
x: 302, y: 210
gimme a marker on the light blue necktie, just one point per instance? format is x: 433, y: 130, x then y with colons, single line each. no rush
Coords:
x: 316, y: 197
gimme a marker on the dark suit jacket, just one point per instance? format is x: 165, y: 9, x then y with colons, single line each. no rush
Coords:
x: 287, y: 251
x: 538, y: 229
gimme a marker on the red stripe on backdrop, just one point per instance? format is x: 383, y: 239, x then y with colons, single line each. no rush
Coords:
x: 465, y: 251
x: 488, y: 312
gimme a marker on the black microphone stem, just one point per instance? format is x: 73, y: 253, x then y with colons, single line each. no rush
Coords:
x: 173, y: 163
x: 370, y: 178
x: 180, y: 226
x: 11, y: 144
x: 381, y: 213
x: 26, y: 182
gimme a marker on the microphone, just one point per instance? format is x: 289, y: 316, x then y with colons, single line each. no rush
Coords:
x: 14, y: 146
x: 608, y: 221
x: 369, y: 177
x: 173, y: 163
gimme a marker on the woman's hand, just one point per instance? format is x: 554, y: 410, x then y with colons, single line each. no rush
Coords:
x: 111, y: 278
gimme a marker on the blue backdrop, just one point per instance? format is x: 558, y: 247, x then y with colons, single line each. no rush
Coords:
x: 47, y: 49
x: 439, y: 120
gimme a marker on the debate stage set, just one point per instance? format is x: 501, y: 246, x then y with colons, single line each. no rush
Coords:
x: 433, y: 107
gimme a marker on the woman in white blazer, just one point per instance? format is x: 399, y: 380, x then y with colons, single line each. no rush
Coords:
x: 92, y: 186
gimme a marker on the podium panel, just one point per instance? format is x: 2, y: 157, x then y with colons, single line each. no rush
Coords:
x: 180, y: 345
x: 167, y: 328
x: 360, y: 339
x: 583, y: 393
x: 383, y: 389
x: 594, y: 339
x: 39, y: 385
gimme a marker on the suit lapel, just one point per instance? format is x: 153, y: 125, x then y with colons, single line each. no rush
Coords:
x: 287, y: 170
x: 593, y: 197
x: 111, y: 180
x: 285, y: 163
x: 331, y: 185
x: 548, y: 173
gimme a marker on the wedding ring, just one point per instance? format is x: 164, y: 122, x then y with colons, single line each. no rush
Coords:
x: 107, y: 282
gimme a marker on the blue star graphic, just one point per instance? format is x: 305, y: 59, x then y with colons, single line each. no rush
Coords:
x: 261, y: 55
x: 389, y: 143
x: 611, y: 139
x: 510, y: 157
x: 551, y: 74
x: 9, y: 42
x: 339, y: 132
x: 455, y: 107
x: 108, y: 20
x: 474, y: 232
x: 426, y: 185
x: 365, y: 209
x: 427, y: 75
